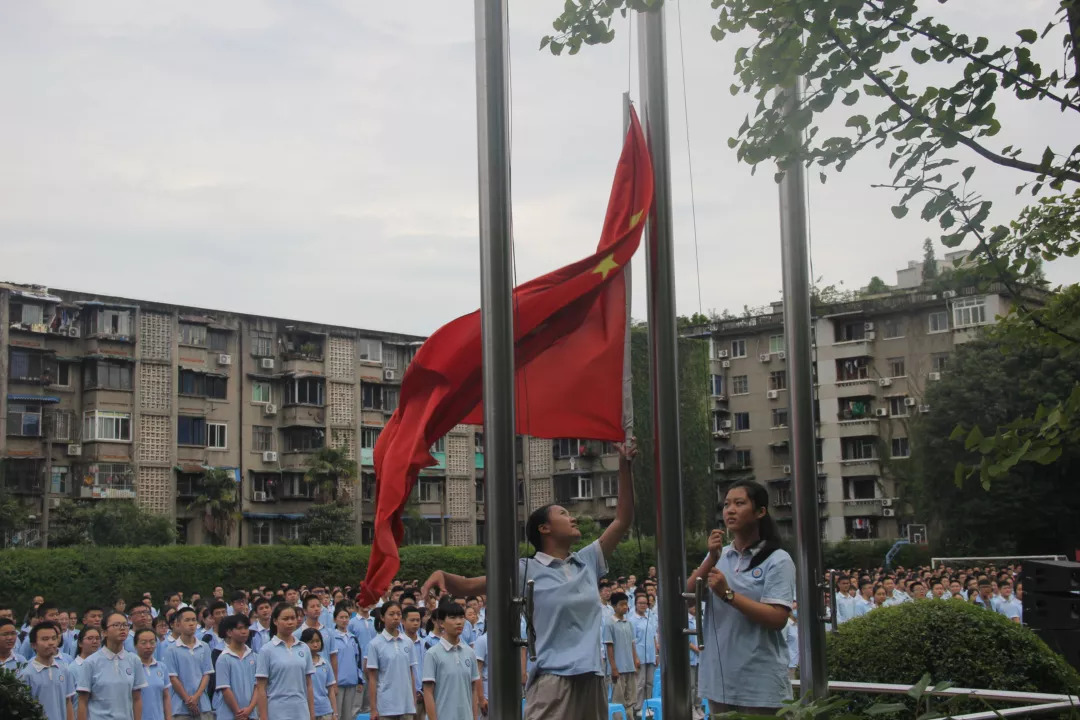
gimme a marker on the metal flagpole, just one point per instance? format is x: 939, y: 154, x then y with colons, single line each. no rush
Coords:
x: 793, y: 245
x: 628, y: 388
x: 497, y: 327
x: 663, y: 357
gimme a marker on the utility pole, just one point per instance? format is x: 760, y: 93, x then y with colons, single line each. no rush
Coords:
x: 48, y: 418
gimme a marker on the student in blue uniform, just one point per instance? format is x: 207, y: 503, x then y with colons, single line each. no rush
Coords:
x: 283, y: 671
x: 567, y: 680
x: 44, y: 612
x: 234, y: 671
x: 410, y: 625
x: 190, y: 667
x: 752, y: 583
x: 646, y: 625
x: 323, y: 682
x: 9, y: 637
x: 156, y: 703
x: 451, y: 675
x: 111, y: 680
x: 621, y: 650
x: 260, y: 623
x: 50, y: 681
x: 140, y: 620
x: 390, y: 669
x: 87, y: 642
x: 312, y: 613
x: 348, y: 663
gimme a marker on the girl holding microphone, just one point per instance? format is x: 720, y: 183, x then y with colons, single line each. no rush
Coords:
x: 744, y: 664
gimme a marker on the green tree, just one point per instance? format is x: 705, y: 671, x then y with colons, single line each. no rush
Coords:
x: 876, y: 286
x: 855, y: 56
x: 108, y: 523
x: 1010, y: 373
x: 328, y: 524
x: 929, y: 262
x: 333, y: 474
x: 695, y: 441
x: 219, y: 503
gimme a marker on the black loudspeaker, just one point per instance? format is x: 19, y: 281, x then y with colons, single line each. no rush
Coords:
x: 1064, y: 642
x: 1051, y: 595
x: 1051, y: 611
x: 1055, y: 576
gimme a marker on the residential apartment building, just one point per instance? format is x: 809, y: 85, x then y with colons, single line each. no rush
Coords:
x: 873, y: 360
x: 110, y: 398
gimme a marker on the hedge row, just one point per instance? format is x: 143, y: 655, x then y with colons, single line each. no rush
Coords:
x: 79, y: 576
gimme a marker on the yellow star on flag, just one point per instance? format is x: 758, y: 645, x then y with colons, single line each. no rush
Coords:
x: 606, y: 265
x: 636, y: 218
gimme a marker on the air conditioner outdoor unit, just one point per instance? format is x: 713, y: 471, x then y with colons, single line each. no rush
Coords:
x: 725, y: 424
x: 910, y: 402
x: 782, y: 355
x: 389, y: 375
x: 868, y: 326
x: 935, y: 376
x: 787, y: 469
x: 888, y: 512
x: 725, y: 364
x: 773, y: 394
x: 722, y: 354
x: 266, y: 363
x: 270, y: 409
x: 224, y: 359
x: 948, y: 294
x: 55, y: 502
x: 886, y: 502
x: 719, y: 466
x: 885, y: 382
x: 74, y: 331
x: 924, y: 408
x: 881, y: 412
x: 870, y: 335
x: 74, y: 450
x: 611, y: 502
x: 270, y: 456
x: 764, y: 357
x: 259, y: 496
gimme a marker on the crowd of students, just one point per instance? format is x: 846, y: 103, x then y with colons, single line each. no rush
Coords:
x: 312, y: 654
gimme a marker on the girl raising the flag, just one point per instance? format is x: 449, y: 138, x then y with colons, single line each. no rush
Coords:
x: 567, y: 680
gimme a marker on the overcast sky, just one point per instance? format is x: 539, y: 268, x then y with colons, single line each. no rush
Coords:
x: 317, y: 160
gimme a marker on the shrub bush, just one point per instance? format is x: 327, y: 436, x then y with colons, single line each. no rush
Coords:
x: 952, y: 641
x: 16, y: 702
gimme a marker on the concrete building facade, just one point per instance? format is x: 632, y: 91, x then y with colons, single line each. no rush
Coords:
x: 110, y: 398
x: 874, y: 359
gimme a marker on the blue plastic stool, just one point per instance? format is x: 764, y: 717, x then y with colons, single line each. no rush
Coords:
x: 363, y: 716
x: 652, y: 709
x: 614, y: 709
x: 656, y: 683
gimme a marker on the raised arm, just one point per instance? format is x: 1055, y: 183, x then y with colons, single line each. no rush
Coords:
x: 455, y: 584
x: 624, y: 510
x: 716, y: 544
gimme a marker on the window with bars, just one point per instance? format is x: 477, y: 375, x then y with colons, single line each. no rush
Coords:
x: 369, y: 436
x: 897, y: 367
x: 778, y: 380
x: 27, y: 313
x: 105, y: 375
x: 192, y: 334
x: 305, y: 391
x: 391, y: 357
x: 390, y: 399
x: 191, y: 431
x: 740, y: 385
x: 262, y: 344
x: 303, y: 439
x: 23, y: 420
x: 63, y: 425
x: 218, y: 340
x: 262, y: 438
x: 939, y: 362
x: 106, y: 426
x: 30, y: 366
x: 779, y: 417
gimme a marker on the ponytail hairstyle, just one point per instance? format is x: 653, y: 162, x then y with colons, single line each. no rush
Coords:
x: 538, y: 517
x: 767, y: 529
x: 82, y: 635
x: 278, y: 609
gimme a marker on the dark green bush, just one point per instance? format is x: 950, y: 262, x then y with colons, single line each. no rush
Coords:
x: 16, y: 702
x: 952, y: 641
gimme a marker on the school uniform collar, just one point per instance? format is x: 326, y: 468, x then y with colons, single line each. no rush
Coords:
x: 36, y: 664
x: 547, y: 560
x: 110, y: 655
x: 179, y: 642
x: 229, y: 651
x: 751, y: 551
x: 276, y: 640
x: 616, y: 618
x: 451, y: 648
x: 385, y: 634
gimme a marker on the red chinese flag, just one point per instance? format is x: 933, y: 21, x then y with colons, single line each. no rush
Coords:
x: 569, y: 330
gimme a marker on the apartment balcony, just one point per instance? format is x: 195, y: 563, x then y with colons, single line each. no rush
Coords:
x: 300, y: 365
x: 296, y: 460
x: 857, y: 467
x: 303, y: 416
x: 95, y: 491
x: 858, y: 387
x: 852, y: 348
x: 862, y: 427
